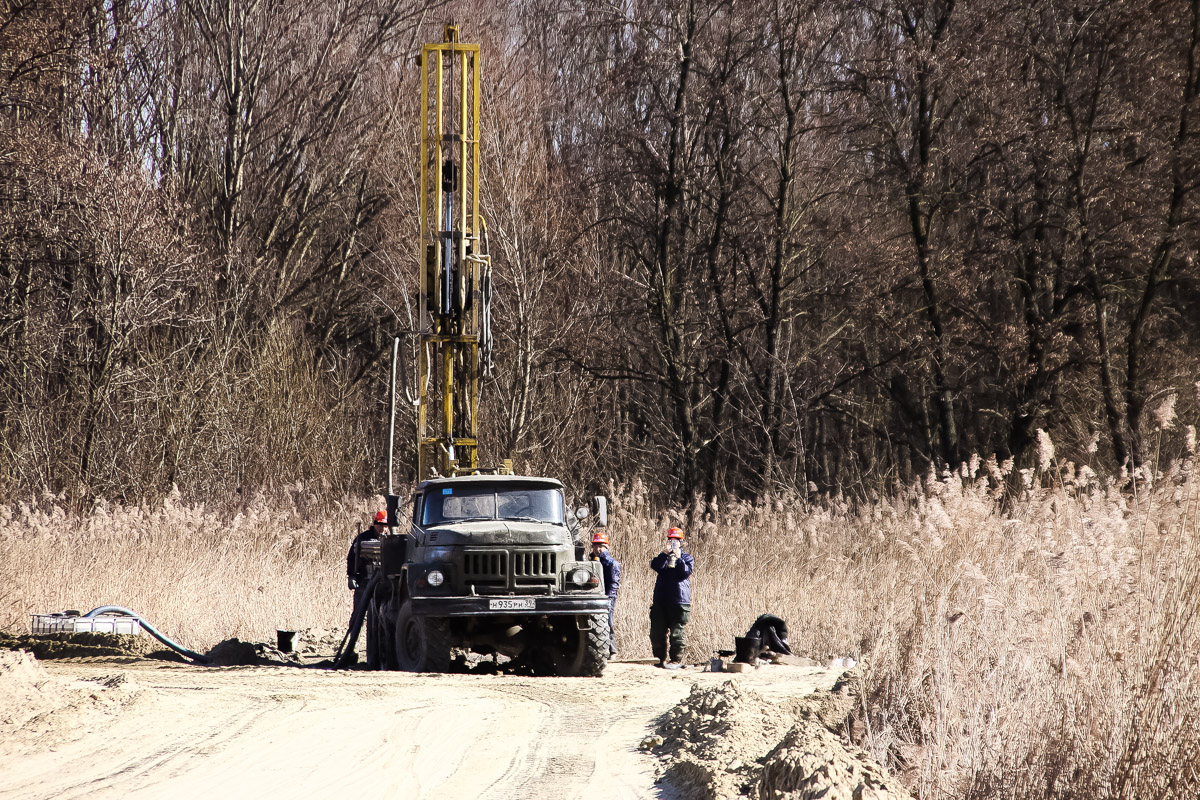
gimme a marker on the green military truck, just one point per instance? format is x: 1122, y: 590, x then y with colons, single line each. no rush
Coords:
x: 491, y: 564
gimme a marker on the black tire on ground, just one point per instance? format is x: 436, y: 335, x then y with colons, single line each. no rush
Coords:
x: 582, y: 654
x: 422, y: 643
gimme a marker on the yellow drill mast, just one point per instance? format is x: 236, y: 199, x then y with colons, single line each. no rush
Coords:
x: 455, y: 333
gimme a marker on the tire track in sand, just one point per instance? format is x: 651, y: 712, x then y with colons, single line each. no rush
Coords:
x: 268, y: 732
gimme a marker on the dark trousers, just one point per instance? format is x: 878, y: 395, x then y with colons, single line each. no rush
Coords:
x: 359, y: 593
x: 668, y: 618
x: 612, y: 633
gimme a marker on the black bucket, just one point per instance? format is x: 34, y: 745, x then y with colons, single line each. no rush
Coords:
x: 286, y: 640
x: 746, y: 649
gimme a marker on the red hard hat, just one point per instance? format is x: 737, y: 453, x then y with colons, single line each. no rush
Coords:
x: 675, y: 533
x: 381, y: 517
x: 599, y: 537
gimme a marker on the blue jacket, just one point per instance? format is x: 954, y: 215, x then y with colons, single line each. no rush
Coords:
x: 612, y: 573
x: 672, y: 584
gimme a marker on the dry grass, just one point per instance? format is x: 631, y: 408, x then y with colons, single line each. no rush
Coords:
x: 200, y: 575
x: 1039, y: 646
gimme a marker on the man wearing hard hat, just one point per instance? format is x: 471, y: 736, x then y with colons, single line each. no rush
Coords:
x: 612, y: 580
x: 356, y: 573
x: 672, y: 602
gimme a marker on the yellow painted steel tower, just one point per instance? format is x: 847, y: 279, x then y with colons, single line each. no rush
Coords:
x: 455, y: 301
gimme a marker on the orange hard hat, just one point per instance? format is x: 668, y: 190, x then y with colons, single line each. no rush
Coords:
x: 380, y: 517
x: 599, y: 537
x: 675, y: 533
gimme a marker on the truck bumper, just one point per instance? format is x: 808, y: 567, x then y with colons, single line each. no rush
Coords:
x: 483, y: 606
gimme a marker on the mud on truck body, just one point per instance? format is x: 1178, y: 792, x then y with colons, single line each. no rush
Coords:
x: 490, y: 564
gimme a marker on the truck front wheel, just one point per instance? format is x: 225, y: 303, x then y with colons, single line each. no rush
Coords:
x: 422, y: 643
x: 582, y: 653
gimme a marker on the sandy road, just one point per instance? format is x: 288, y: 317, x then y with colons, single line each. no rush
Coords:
x: 262, y: 732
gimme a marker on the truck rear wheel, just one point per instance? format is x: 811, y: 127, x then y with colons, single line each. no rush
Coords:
x: 422, y: 643
x: 583, y: 654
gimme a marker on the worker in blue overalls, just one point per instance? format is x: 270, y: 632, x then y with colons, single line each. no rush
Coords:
x: 612, y: 581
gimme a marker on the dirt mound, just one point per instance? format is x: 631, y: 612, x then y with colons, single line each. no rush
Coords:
x: 813, y: 763
x: 727, y: 741
x: 236, y: 653
x: 318, y: 641
x: 20, y: 667
x: 714, y: 737
x: 26, y: 690
x: 37, y: 708
x: 833, y: 707
x: 80, y: 645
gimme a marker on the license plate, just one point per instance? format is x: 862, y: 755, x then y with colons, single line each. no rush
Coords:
x: 511, y: 604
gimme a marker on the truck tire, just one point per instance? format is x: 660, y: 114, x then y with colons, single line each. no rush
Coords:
x: 422, y: 643
x: 583, y: 654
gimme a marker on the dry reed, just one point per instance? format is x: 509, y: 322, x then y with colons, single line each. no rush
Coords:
x: 1034, y: 646
x: 200, y: 575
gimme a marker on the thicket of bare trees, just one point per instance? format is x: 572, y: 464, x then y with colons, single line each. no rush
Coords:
x: 740, y: 246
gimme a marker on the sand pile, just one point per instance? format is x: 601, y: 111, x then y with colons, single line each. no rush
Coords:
x: 714, y: 736
x: 37, y: 707
x: 20, y: 668
x: 728, y: 741
x: 312, y: 642
x: 236, y: 653
x: 813, y: 763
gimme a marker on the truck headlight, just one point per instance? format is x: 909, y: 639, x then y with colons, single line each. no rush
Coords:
x: 580, y: 577
x: 435, y: 577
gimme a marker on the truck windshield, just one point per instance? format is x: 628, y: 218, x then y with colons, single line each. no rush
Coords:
x: 462, y: 504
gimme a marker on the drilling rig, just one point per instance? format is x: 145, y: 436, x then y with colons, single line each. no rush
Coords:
x: 456, y: 282
x: 486, y: 561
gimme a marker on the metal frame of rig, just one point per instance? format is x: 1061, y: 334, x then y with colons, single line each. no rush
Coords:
x: 456, y: 282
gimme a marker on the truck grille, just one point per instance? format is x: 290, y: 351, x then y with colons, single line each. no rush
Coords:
x: 534, y: 565
x: 494, y: 567
x: 487, y: 566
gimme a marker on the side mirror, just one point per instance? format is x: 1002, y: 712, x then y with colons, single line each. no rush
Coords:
x: 581, y: 513
x: 600, y: 504
x: 393, y: 507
